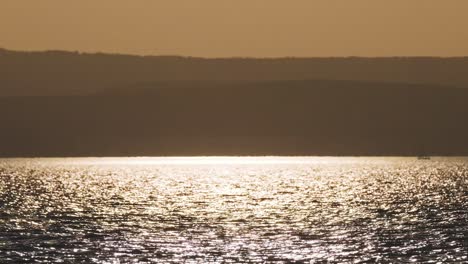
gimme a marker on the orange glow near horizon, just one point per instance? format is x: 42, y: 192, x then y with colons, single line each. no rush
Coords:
x: 255, y: 28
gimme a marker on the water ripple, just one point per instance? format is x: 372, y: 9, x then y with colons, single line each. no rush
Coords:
x: 308, y: 210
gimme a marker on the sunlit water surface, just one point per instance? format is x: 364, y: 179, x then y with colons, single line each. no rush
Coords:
x: 260, y: 210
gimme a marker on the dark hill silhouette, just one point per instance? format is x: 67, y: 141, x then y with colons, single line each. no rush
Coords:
x: 72, y: 73
x: 274, y: 117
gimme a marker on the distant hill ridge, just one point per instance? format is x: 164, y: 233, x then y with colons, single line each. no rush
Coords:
x: 121, y: 105
x: 306, y: 118
x: 73, y: 73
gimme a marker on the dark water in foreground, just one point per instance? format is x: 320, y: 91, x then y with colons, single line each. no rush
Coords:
x: 234, y: 210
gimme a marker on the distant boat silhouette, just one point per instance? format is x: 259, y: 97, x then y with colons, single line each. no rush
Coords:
x: 423, y: 153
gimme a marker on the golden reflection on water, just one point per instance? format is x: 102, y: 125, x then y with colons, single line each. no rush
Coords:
x: 208, y: 160
x: 233, y: 209
x: 223, y: 160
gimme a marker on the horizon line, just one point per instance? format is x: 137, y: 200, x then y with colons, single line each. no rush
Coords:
x: 105, y: 53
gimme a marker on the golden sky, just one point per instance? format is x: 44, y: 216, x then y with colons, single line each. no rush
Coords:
x: 225, y: 28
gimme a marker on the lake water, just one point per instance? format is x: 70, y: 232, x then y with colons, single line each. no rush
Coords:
x: 259, y: 210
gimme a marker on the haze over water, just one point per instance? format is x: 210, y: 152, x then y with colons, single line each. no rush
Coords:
x: 100, y: 210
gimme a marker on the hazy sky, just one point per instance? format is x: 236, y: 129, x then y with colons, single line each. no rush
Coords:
x: 219, y: 28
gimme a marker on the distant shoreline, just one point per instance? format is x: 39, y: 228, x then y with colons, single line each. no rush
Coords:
x: 66, y: 104
x: 123, y: 54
